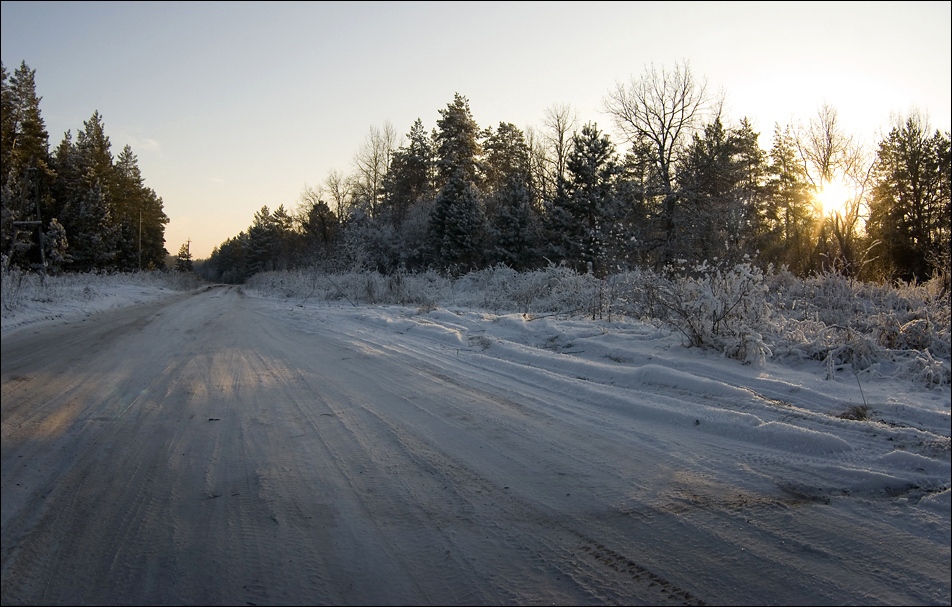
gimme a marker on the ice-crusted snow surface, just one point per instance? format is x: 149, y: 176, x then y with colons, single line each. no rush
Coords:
x: 786, y: 408
x: 783, y: 411
x: 29, y: 300
x: 867, y: 447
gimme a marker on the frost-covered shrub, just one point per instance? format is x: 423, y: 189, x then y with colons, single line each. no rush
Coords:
x: 743, y: 311
x: 15, y: 283
x: 355, y: 287
x: 556, y: 289
x: 21, y: 287
x: 749, y: 348
x: 714, y: 306
x: 902, y: 328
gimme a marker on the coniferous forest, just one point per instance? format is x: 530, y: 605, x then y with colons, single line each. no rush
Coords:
x: 76, y: 207
x: 684, y: 185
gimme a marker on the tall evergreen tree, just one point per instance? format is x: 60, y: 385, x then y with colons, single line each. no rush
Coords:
x: 183, y: 261
x: 7, y: 119
x: 83, y: 192
x: 515, y: 228
x: 264, y: 241
x: 910, y: 208
x: 510, y: 206
x: 720, y: 182
x: 319, y: 226
x: 592, y: 168
x: 410, y: 180
x: 787, y: 223
x: 458, y: 226
x: 139, y: 217
x: 227, y: 263
x: 457, y: 142
x: 26, y: 171
x: 505, y: 158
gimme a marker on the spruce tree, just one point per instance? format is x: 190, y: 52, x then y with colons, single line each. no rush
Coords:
x: 139, y: 217
x: 787, y: 219
x: 84, y: 191
x: 183, y: 261
x: 457, y: 144
x: 590, y: 199
x: 410, y: 180
x: 458, y: 226
x: 910, y: 208
x: 26, y: 171
x: 510, y: 207
x: 720, y: 180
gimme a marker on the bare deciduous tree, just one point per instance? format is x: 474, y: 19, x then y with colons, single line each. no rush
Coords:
x: 663, y: 107
x: 560, y: 120
x: 372, y: 162
x: 340, y: 191
x: 824, y: 149
x: 831, y: 156
x: 658, y: 113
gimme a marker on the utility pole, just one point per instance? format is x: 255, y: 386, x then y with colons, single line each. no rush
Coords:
x: 38, y: 223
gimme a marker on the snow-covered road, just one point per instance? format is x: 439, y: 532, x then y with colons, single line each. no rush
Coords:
x: 217, y: 448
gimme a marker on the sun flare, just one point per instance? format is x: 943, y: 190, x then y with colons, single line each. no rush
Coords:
x: 833, y: 197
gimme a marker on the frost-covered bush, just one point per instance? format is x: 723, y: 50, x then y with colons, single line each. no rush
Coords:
x: 742, y: 311
x: 354, y: 287
x: 16, y: 282
x: 900, y: 330
x: 556, y: 289
x: 716, y: 306
x: 20, y: 287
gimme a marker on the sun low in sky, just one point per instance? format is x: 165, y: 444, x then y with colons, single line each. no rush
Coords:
x: 834, y: 196
x: 233, y: 106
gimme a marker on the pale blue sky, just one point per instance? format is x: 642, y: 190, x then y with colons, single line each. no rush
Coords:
x: 232, y: 106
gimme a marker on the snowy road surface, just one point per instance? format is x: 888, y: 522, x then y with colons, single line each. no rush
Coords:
x: 215, y: 448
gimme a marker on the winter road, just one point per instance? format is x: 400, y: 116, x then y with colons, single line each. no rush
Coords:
x: 204, y: 450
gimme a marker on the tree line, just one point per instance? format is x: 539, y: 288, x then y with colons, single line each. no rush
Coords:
x: 686, y: 186
x: 75, y: 208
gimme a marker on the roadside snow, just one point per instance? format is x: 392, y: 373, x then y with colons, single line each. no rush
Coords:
x: 28, y: 300
x: 783, y: 410
x: 868, y: 455
x: 785, y: 413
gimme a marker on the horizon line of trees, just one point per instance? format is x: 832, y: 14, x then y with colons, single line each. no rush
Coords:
x: 687, y: 186
x: 76, y: 208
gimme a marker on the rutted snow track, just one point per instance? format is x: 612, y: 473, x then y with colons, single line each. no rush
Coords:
x: 217, y: 449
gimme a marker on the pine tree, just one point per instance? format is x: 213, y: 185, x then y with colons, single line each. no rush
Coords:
x: 505, y: 159
x: 510, y: 207
x: 516, y: 228
x: 83, y: 192
x: 319, y: 225
x: 7, y: 120
x: 787, y: 218
x: 26, y: 172
x: 227, y: 263
x: 264, y: 243
x: 410, y: 180
x: 183, y: 261
x: 139, y: 217
x: 590, y: 201
x: 458, y: 226
x: 720, y: 181
x: 457, y: 145
x: 57, y: 247
x: 910, y: 209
